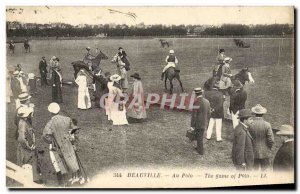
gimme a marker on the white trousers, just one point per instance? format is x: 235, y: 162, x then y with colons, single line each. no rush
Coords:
x: 235, y: 120
x: 211, y: 124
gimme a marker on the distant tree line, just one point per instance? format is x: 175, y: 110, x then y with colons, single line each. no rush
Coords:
x: 153, y: 30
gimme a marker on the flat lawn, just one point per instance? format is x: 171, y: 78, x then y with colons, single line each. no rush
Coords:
x: 161, y: 141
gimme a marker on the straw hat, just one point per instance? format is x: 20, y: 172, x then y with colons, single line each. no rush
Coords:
x: 115, y: 77
x: 88, y: 48
x: 259, y: 109
x: 30, y: 75
x: 16, y: 73
x: 285, y: 130
x: 24, y: 96
x: 136, y: 76
x: 245, y: 113
x: 24, y: 111
x: 54, y: 108
x: 198, y: 90
x: 171, y: 52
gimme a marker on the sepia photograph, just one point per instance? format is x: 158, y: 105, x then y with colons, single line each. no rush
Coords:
x: 156, y: 97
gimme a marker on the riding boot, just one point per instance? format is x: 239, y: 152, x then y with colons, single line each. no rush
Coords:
x: 162, y: 75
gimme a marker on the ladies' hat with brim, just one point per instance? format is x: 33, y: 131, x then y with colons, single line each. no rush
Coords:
x: 54, y: 108
x: 221, y: 50
x: 24, y: 96
x: 31, y: 75
x: 259, y: 109
x: 285, y: 130
x: 24, y: 111
x: 198, y: 90
x: 88, y: 48
x: 16, y: 73
x: 115, y: 77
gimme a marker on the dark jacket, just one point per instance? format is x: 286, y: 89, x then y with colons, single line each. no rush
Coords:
x: 237, y: 100
x: 263, y: 137
x: 242, y: 150
x: 15, y: 87
x: 56, y: 88
x: 201, y: 115
x: 284, y: 159
x: 216, y: 101
x: 43, y: 67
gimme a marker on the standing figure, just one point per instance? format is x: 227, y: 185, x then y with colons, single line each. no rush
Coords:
x: 26, y: 152
x: 84, y: 100
x: 200, y: 118
x: 225, y: 80
x: 32, y: 83
x: 62, y: 153
x: 56, y: 85
x: 43, y: 71
x: 285, y: 157
x: 101, y: 88
x: 121, y: 69
x: 171, y: 61
x: 242, y: 150
x: 217, y: 71
x: 137, y: 110
x: 54, y: 63
x: 116, y: 103
x: 237, y: 101
x: 15, y: 87
x: 216, y: 101
x: 263, y: 137
x: 9, y: 93
x: 23, y: 81
x: 123, y: 56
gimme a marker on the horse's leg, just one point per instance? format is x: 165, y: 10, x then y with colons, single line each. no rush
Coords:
x: 180, y: 85
x: 166, y: 83
x: 171, y: 86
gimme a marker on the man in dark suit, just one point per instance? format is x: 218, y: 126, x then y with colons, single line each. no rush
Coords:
x: 43, y: 71
x: 242, y: 150
x: 216, y: 100
x: 263, y: 137
x: 56, y: 85
x: 238, y: 99
x: 200, y: 118
x: 284, y: 159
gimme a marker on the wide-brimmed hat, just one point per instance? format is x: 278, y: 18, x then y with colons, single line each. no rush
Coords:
x: 21, y: 73
x: 115, y: 77
x: 16, y: 73
x: 24, y: 111
x: 171, y: 52
x: 285, y: 130
x: 136, y: 76
x: 245, y: 113
x: 54, y: 108
x: 24, y: 96
x: 221, y: 50
x: 30, y: 75
x: 237, y: 84
x: 259, y: 109
x: 228, y: 59
x: 120, y: 48
x: 88, y: 48
x: 198, y: 90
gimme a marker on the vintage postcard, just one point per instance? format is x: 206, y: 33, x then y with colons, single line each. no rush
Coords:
x: 149, y: 97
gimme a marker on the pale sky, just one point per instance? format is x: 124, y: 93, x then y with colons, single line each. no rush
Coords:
x: 153, y: 15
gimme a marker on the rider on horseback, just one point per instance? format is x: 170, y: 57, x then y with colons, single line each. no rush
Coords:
x: 220, y: 62
x: 225, y: 80
x: 171, y: 61
x: 88, y: 58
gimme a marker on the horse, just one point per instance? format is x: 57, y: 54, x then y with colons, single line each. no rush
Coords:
x: 163, y: 43
x: 27, y: 46
x: 243, y: 76
x: 12, y: 47
x: 170, y: 74
x: 77, y: 65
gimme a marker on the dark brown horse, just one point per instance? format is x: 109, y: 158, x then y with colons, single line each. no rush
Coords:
x: 27, y: 46
x: 11, y: 47
x: 171, y: 74
x: 164, y: 43
x: 77, y: 65
x: 242, y: 76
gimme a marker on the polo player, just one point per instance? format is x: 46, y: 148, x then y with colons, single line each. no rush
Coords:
x: 171, y: 61
x: 88, y: 58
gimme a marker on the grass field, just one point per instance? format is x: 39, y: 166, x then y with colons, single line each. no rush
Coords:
x: 161, y: 141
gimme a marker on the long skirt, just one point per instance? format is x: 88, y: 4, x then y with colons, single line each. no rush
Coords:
x: 57, y: 94
x: 118, y: 116
x: 84, y: 100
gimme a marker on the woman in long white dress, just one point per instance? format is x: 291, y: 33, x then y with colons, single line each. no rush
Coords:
x: 84, y: 100
x: 116, y: 103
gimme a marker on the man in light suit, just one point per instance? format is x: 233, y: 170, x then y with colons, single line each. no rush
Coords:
x: 242, y: 150
x: 216, y: 100
x: 263, y: 137
x: 200, y: 118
